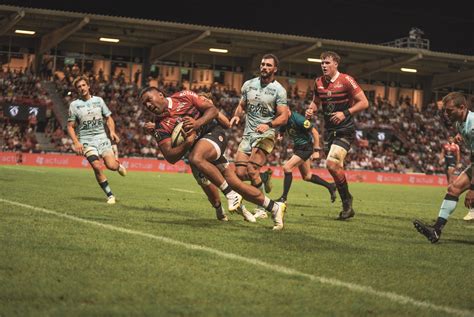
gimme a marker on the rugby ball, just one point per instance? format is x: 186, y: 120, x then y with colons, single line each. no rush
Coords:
x: 178, y: 135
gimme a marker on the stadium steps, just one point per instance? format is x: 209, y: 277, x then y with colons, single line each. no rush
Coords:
x: 59, y: 108
x: 44, y: 142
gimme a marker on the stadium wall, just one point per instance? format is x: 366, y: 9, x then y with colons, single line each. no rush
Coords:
x: 147, y: 164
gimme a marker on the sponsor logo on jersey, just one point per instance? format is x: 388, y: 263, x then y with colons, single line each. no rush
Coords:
x: 352, y: 81
x: 180, y: 106
x: 187, y: 92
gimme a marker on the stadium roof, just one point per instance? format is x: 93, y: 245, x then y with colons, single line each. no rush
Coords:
x: 158, y: 40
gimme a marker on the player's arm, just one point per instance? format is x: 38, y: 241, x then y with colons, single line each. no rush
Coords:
x: 238, y: 113
x: 223, y: 120
x: 208, y: 111
x: 78, y: 147
x: 458, y: 156
x: 280, y: 119
x: 174, y: 154
x: 441, y: 156
x: 360, y: 104
x: 109, y: 121
x: 316, y: 147
x: 313, y: 107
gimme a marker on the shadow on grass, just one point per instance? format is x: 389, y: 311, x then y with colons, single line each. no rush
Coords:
x: 90, y: 198
x: 161, y: 210
x: 457, y: 241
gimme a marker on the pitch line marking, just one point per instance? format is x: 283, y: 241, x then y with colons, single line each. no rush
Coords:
x: 394, y: 297
x: 183, y: 190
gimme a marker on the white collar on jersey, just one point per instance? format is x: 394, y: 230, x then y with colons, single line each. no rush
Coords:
x: 333, y: 79
x: 170, y: 103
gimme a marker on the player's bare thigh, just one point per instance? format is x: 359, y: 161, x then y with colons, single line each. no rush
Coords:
x: 305, y: 169
x: 110, y: 161
x: 460, y: 185
x: 207, y: 149
x: 294, y: 161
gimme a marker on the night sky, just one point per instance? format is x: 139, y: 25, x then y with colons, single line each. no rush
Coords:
x: 449, y: 26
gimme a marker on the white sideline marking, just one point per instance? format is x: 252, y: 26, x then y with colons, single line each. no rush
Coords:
x: 183, y: 190
x: 400, y: 299
x: 20, y: 169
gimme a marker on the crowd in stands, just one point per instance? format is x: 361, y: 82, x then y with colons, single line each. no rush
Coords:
x: 411, y: 141
x: 21, y: 87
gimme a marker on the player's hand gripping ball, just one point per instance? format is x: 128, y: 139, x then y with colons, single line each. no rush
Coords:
x: 178, y: 135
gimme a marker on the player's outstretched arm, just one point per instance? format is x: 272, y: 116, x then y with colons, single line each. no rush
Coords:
x: 223, y: 120
x: 313, y: 107
x: 238, y: 113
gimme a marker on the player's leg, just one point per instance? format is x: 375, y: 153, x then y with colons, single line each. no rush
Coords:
x: 258, y: 157
x: 255, y: 196
x: 335, y: 165
x: 92, y: 155
x: 211, y: 192
x: 288, y: 167
x: 307, y: 175
x: 110, y: 157
x: 204, y: 152
x: 241, y: 163
x: 459, y: 186
x: 267, y: 180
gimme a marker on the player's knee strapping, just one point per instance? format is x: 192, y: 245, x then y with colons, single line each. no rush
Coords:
x: 240, y: 164
x: 92, y: 158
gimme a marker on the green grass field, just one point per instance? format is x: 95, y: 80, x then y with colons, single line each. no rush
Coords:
x: 160, y: 251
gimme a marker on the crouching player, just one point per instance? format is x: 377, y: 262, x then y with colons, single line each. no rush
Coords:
x: 206, y: 143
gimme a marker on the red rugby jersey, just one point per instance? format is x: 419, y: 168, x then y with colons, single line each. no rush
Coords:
x: 335, y: 96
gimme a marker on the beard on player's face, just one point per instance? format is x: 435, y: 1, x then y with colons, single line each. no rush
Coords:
x: 265, y: 74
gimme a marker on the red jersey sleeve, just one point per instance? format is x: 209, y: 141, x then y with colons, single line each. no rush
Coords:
x: 197, y: 102
x: 351, y: 85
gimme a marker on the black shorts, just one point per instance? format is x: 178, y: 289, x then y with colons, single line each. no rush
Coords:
x: 216, y: 136
x: 303, y: 151
x: 343, y: 139
x: 449, y: 162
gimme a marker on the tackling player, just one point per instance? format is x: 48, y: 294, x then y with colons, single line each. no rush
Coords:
x: 206, y: 142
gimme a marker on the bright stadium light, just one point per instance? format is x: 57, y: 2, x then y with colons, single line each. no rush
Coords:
x: 108, y: 39
x: 313, y: 60
x: 25, y: 32
x: 218, y: 50
x: 408, y: 70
